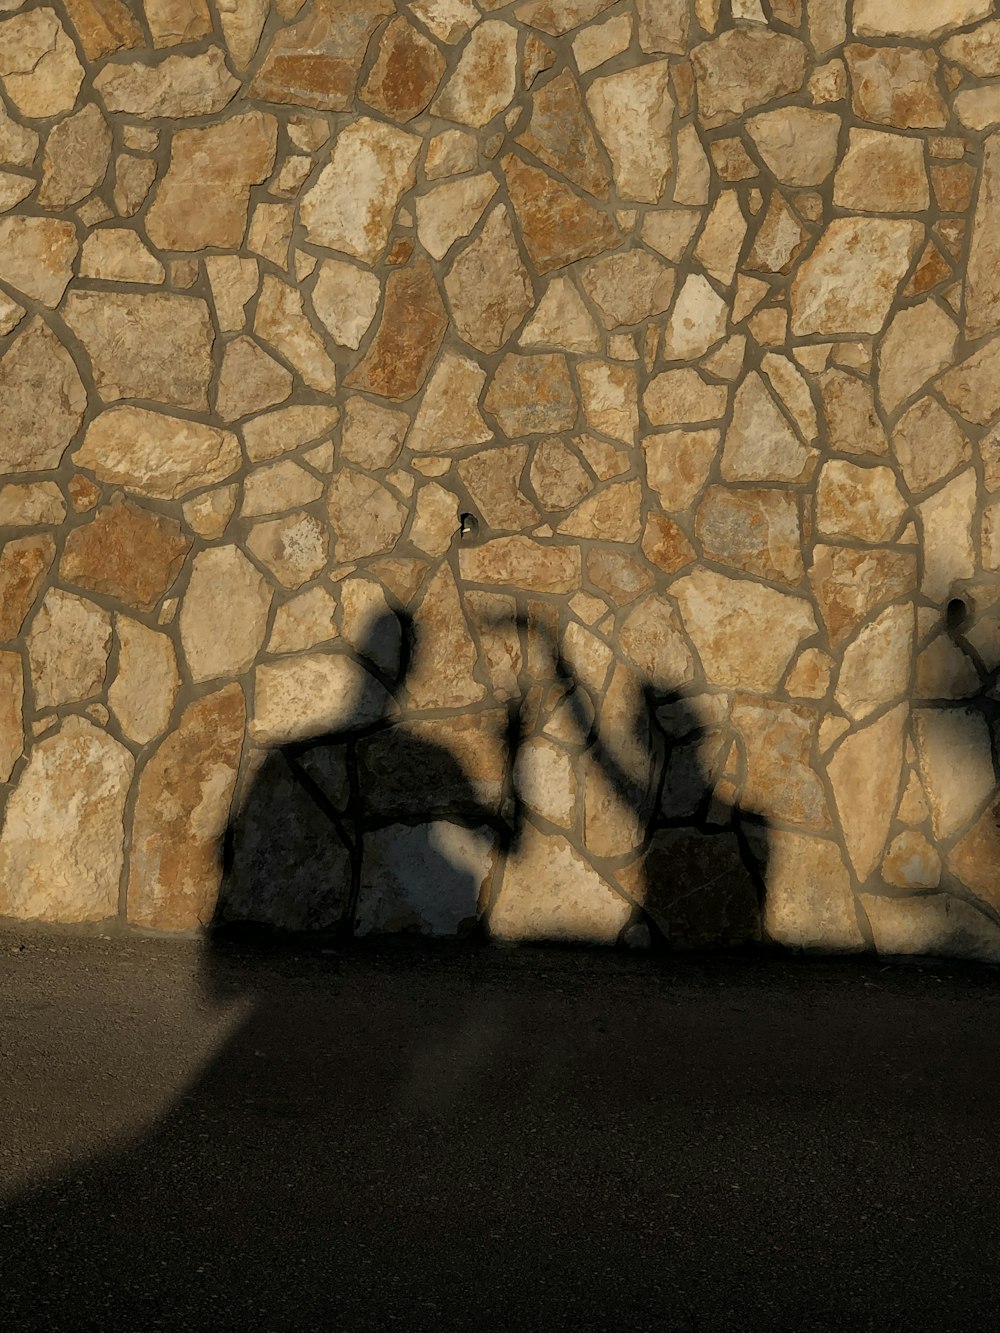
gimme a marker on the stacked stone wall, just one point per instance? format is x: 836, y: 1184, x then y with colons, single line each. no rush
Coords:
x: 524, y: 468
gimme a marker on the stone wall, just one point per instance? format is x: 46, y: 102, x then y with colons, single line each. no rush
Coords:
x: 502, y: 466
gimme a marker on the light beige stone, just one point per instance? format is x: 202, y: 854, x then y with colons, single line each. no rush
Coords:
x: 913, y: 18
x: 146, y: 682
x: 249, y: 380
x: 535, y: 566
x: 550, y: 892
x: 694, y: 173
x: 799, y: 145
x: 760, y: 444
x: 305, y: 621
x: 451, y: 211
x: 600, y: 42
x: 43, y: 401
x: 559, y: 16
x: 288, y: 428
x: 233, y: 281
x: 919, y: 342
x: 18, y: 144
x: 294, y: 548
x: 849, y: 584
x: 663, y: 25
x: 697, y: 321
x: 860, y: 502
x: 116, y: 254
x: 451, y: 154
x: 562, y: 320
x: 781, y: 782
x: 721, y: 240
x: 242, y: 24
x: 39, y: 68
x: 633, y: 112
x: 181, y: 814
x: 491, y: 478
x: 68, y: 646
x: 24, y: 564
x: 174, y: 22
x: 611, y: 513
x: 153, y: 346
x: 945, y: 671
x: 794, y: 393
x: 449, y: 417
x: 281, y: 321
x: 809, y: 902
x: 609, y: 394
x: 722, y: 614
x: 847, y: 284
x: 955, y: 765
x: 442, y: 674
x: 973, y: 387
x: 316, y: 61
x: 448, y: 20
x: 911, y: 862
x: 875, y: 669
x: 882, y: 173
x: 176, y: 86
x: 436, y: 518
x: 223, y: 614
x: 77, y: 153
x: 37, y: 256
x: 485, y: 79
x: 978, y: 50
x: 365, y: 516
x: 33, y: 504
x: 928, y: 445
x: 278, y: 487
x: 745, y: 68
x: 270, y: 232
x: 488, y: 287
x: 629, y: 287
x: 652, y: 640
x: 103, y: 26
x: 852, y: 422
x: 682, y: 397
x: 753, y: 530
x: 558, y: 477
x: 62, y: 846
x: 208, y: 514
x: 134, y: 178
x: 896, y: 85
x: 11, y: 712
x: 373, y: 434
x: 982, y: 288
x: 949, y: 552
x: 354, y: 201
x: 865, y: 774
x: 809, y: 678
x: 545, y: 781
x: 780, y: 239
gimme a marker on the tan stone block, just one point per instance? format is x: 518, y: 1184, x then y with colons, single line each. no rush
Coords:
x: 745, y: 68
x: 37, y: 256
x: 24, y: 564
x: 146, y: 683
x: 557, y: 225
x: 43, y: 401
x: 896, y: 85
x: 609, y: 396
x: 756, y: 531
x: 39, y: 68
x: 978, y: 51
x: 491, y: 478
x: 949, y: 553
x: 945, y: 671
x: 488, y: 287
x: 156, y: 455
x: 353, y: 203
x: 681, y: 397
x: 305, y: 697
x: 559, y: 16
x: 550, y: 892
x: 425, y: 879
x: 861, y: 502
x: 174, y: 22
x: 366, y: 518
x: 665, y: 544
x: 18, y: 145
x: 127, y: 553
x: 955, y: 764
x: 799, y: 145
x: 828, y: 82
x: 558, y: 478
x: 287, y: 428
x: 882, y: 173
x: 68, y: 646
x: 678, y: 465
x: 208, y: 514
x: 983, y: 284
x: 852, y: 422
x: 760, y: 445
x: 865, y: 775
x: 451, y: 211
x: 223, y: 615
x: 809, y: 678
x: 652, y: 640
x: 780, y: 239
x: 281, y: 321
x: 406, y: 73
x: 611, y: 513
x: 233, y: 281
x: 562, y: 320
x: 116, y: 254
x: 849, y: 584
x: 781, y: 782
x: 973, y: 387
x: 928, y: 445
x: 294, y: 548
x: 721, y: 614
x: 809, y: 903
x: 533, y: 565
x: 848, y: 282
x: 409, y: 334
x: 249, y: 380
x: 316, y: 61
x: 177, y: 86
x: 794, y: 392
x: 875, y: 669
x: 11, y: 712
x: 628, y: 288
x: 103, y: 26
x: 938, y: 923
x: 633, y: 112
x: 451, y: 154
x: 600, y: 42
x: 532, y: 394
x: 303, y: 622
x: 912, y: 18
x: 77, y: 153
x: 62, y: 847
x: 721, y: 240
x: 693, y: 175
x: 559, y: 134
x: 32, y: 504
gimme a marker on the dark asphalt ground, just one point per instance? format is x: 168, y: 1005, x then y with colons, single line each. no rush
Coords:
x: 438, y: 1139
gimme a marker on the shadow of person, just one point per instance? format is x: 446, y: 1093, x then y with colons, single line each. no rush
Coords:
x: 662, y: 820
x: 375, y: 826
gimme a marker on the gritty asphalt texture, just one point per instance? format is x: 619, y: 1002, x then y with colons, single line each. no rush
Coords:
x: 231, y: 1137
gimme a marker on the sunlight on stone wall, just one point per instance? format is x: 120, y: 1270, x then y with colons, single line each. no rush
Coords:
x: 688, y: 311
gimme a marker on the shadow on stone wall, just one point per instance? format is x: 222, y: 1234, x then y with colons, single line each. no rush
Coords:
x: 382, y: 827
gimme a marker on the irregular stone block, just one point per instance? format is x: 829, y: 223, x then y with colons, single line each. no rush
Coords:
x: 146, y: 683
x: 408, y: 337
x: 68, y: 647
x: 316, y: 61
x: 426, y: 879
x: 315, y: 695
x: 557, y: 225
x: 223, y: 614
x: 159, y: 456
x: 37, y: 255
x: 24, y: 564
x: 11, y: 712
x: 127, y: 553
x: 809, y: 903
x: 175, y: 87
x: 43, y: 401
x: 488, y: 287
x: 39, y: 69
x: 744, y: 68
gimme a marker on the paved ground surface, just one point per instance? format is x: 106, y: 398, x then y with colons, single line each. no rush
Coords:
x: 415, y: 1139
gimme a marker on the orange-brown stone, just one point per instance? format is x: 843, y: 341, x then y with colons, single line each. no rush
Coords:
x: 407, y: 341
x: 103, y: 26
x: 406, y: 73
x: 560, y: 135
x: 558, y: 226
x: 316, y: 61
x: 23, y: 565
x: 125, y: 552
